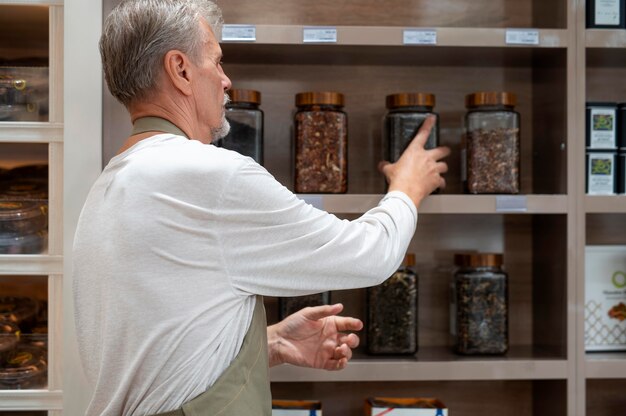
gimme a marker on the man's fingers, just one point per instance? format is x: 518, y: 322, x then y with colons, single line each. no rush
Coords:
x: 315, y: 313
x: 346, y: 323
x: 440, y: 152
x: 422, y: 135
x: 441, y: 167
x: 350, y: 340
x: 343, y: 351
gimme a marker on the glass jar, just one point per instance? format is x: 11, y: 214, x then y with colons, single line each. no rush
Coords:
x: 491, y: 149
x: 246, y: 124
x: 25, y: 367
x: 287, y: 306
x: 407, y: 112
x: 321, y: 143
x: 392, y: 312
x: 479, y: 305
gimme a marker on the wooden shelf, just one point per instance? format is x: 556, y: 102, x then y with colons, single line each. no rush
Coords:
x: 448, y: 204
x: 31, y: 400
x: 32, y: 2
x: 393, y: 36
x: 30, y: 132
x: 605, y: 365
x: 435, y: 364
x: 605, y: 204
x: 605, y: 38
x: 27, y: 264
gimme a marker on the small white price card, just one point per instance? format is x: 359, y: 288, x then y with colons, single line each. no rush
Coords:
x: 239, y: 33
x: 319, y: 35
x: 512, y: 203
x: 522, y: 37
x: 419, y: 37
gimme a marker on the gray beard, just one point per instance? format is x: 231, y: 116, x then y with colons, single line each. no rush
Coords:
x: 220, y: 132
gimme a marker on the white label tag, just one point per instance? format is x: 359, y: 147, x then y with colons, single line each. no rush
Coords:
x: 419, y: 37
x: 316, y: 201
x: 522, y: 37
x: 607, y: 12
x: 319, y: 35
x: 238, y: 33
x: 511, y: 203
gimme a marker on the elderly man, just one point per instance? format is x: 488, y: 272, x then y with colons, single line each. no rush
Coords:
x: 178, y: 239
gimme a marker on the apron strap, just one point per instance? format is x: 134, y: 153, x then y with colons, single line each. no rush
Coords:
x: 145, y: 124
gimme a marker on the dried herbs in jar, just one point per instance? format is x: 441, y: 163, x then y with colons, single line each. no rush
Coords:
x: 392, y: 312
x: 287, y: 306
x: 321, y: 143
x: 479, y: 305
x: 491, y: 159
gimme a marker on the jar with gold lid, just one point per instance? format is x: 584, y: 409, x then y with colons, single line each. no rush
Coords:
x: 406, y: 114
x: 246, y: 124
x: 491, y: 147
x: 479, y: 304
x: 321, y: 143
x: 392, y: 312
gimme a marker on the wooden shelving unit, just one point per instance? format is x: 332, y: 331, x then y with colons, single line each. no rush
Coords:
x: 35, y: 29
x: 541, y: 232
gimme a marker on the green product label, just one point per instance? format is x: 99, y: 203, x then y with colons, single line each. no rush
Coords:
x: 601, y: 166
x: 619, y: 279
x: 602, y: 122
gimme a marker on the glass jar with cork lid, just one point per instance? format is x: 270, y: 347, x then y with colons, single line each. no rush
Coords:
x: 479, y: 304
x: 246, y: 124
x: 406, y: 114
x: 491, y: 146
x: 321, y: 143
x: 392, y: 312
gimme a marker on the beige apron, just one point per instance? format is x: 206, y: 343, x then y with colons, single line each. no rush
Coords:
x: 243, y: 389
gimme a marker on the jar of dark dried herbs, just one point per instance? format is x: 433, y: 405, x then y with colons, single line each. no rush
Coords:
x: 479, y: 305
x: 491, y: 148
x: 407, y: 112
x: 321, y: 143
x: 392, y: 312
x: 246, y: 124
x: 289, y: 305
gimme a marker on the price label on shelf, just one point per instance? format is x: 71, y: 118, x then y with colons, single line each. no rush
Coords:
x: 419, y: 37
x: 319, y: 35
x: 239, y: 33
x: 317, y: 201
x: 511, y: 203
x: 522, y: 37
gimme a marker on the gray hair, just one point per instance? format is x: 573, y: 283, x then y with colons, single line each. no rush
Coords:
x: 137, y: 35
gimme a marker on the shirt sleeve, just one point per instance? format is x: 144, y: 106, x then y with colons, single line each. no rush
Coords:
x: 275, y: 244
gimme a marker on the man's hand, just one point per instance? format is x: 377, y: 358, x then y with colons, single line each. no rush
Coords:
x: 313, y: 337
x: 418, y: 171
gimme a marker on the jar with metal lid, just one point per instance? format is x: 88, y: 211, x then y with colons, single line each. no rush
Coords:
x: 246, y: 124
x: 392, y: 312
x: 491, y: 149
x: 406, y: 114
x: 479, y: 305
x: 321, y: 143
x: 289, y: 305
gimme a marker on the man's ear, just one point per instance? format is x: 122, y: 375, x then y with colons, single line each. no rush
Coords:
x: 178, y: 70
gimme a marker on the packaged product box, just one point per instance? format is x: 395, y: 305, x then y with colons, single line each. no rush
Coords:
x: 605, y: 298
x: 296, y: 408
x: 395, y: 406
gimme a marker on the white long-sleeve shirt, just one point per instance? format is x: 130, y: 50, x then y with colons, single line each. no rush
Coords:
x: 175, y: 239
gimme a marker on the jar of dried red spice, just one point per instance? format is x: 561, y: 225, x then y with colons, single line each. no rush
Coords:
x: 491, y: 148
x: 321, y: 143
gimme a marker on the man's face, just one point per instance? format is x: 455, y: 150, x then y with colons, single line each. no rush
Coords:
x: 210, y: 87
